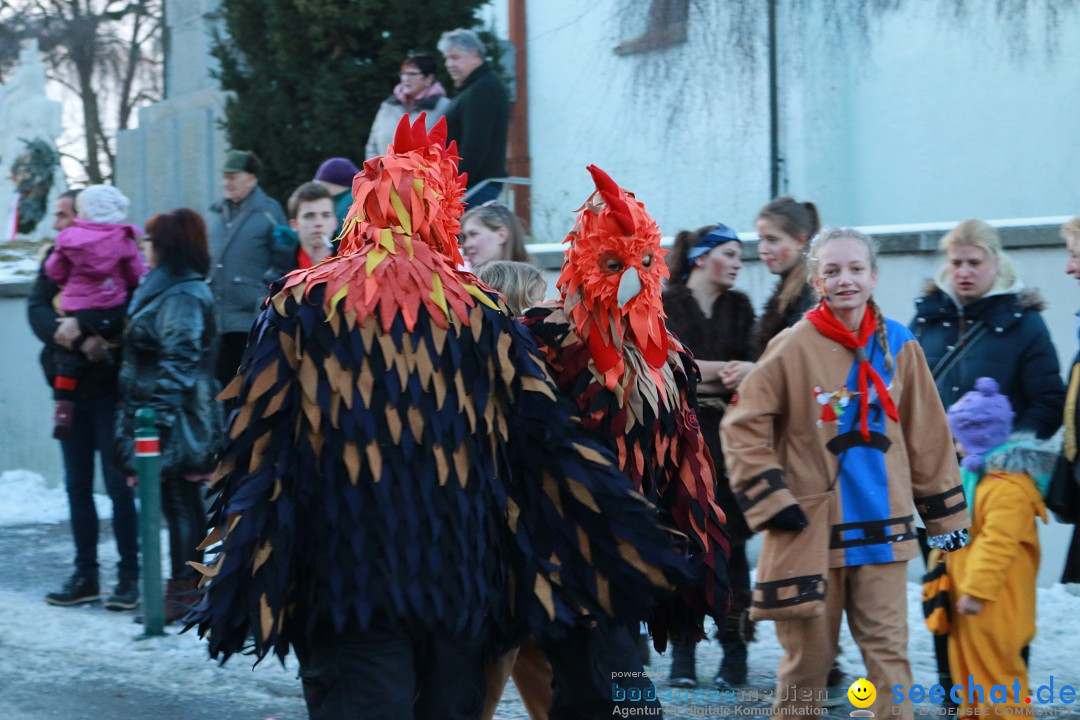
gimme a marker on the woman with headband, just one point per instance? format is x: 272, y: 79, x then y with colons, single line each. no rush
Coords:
x: 714, y: 321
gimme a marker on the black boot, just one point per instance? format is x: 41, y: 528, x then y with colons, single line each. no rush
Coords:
x: 80, y: 588
x: 737, y: 632
x: 125, y: 596
x: 835, y: 686
x: 683, y: 669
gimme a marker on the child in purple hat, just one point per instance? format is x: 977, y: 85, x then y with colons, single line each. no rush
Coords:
x: 1005, y: 478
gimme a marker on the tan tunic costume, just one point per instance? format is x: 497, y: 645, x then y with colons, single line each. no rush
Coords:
x: 793, y: 437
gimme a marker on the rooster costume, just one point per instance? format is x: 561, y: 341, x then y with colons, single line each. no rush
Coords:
x: 634, y: 383
x: 403, y: 488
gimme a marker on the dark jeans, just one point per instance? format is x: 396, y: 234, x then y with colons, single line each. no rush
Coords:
x: 739, y: 575
x: 598, y: 673
x: 388, y: 674
x: 92, y: 432
x: 181, y: 502
x: 230, y: 353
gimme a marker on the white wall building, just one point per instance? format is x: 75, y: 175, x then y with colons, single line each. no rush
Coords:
x: 921, y: 117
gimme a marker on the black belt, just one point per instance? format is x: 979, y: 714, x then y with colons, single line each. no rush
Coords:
x: 933, y: 507
x: 874, y: 532
x: 761, y: 487
x: 808, y: 588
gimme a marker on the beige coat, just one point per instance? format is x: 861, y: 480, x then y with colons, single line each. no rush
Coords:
x: 797, y: 414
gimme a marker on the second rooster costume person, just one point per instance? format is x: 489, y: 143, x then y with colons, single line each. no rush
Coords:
x: 634, y: 384
x: 403, y: 487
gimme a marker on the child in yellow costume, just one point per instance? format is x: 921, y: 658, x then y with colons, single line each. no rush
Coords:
x: 993, y: 578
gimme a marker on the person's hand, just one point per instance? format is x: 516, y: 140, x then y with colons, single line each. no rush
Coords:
x: 132, y: 481
x: 67, y: 332
x: 968, y: 605
x: 791, y: 518
x: 734, y: 373
x: 94, y: 349
x: 198, y: 477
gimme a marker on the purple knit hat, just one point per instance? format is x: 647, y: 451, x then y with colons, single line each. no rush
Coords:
x: 338, y: 170
x: 981, y: 420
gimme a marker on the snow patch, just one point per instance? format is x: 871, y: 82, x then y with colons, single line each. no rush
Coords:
x: 25, y: 499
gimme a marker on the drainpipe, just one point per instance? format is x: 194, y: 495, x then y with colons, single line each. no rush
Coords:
x: 774, y: 108
x: 518, y: 163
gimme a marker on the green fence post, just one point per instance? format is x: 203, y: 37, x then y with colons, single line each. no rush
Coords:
x: 148, y: 468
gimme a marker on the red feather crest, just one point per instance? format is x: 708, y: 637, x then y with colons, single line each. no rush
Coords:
x: 399, y: 245
x: 615, y: 236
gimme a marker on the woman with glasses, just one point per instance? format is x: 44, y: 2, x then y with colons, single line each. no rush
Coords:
x: 417, y: 91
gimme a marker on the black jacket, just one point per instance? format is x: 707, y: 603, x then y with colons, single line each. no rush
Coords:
x: 98, y: 379
x: 1007, y: 340
x: 169, y: 366
x: 477, y: 119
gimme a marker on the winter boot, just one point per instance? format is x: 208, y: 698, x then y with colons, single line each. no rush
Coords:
x: 80, y: 588
x: 125, y: 596
x: 836, y: 686
x: 683, y: 671
x: 63, y: 416
x: 180, y: 596
x: 737, y: 632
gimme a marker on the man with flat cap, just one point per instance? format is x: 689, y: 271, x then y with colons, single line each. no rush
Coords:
x: 245, y: 257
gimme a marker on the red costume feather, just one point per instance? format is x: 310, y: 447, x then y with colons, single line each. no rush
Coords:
x: 407, y: 201
x: 632, y: 379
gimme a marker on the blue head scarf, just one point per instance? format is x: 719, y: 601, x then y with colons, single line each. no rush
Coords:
x: 714, y: 238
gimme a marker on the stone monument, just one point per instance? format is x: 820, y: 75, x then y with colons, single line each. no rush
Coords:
x: 30, y: 173
x: 173, y: 159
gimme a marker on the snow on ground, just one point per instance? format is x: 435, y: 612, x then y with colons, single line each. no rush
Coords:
x: 78, y: 637
x: 81, y: 637
x: 25, y: 499
x: 19, y: 261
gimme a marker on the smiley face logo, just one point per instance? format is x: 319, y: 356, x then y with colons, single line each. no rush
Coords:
x: 862, y: 693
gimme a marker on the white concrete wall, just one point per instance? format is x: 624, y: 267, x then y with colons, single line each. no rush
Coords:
x: 936, y: 119
x: 929, y: 119
x: 25, y: 402
x: 677, y: 127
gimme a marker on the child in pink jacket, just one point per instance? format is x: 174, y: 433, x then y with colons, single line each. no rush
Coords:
x: 97, y: 263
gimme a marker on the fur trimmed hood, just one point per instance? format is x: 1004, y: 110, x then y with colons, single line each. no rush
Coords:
x: 1026, y: 298
x: 1024, y: 453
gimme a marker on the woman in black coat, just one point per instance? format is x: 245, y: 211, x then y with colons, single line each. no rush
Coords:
x: 714, y: 321
x: 168, y: 366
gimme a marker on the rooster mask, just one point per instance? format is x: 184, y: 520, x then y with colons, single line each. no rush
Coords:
x: 399, y: 245
x: 612, y: 278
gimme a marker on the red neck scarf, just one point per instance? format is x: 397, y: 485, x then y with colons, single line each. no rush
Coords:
x: 826, y: 323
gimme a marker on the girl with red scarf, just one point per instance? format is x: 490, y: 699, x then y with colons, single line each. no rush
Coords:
x: 836, y: 433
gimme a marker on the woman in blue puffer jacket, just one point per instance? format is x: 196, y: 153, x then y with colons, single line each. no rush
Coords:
x: 976, y: 319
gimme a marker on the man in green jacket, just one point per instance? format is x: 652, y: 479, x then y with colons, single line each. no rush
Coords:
x: 478, y: 115
x: 245, y: 258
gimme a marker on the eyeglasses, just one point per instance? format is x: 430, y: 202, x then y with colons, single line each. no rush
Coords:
x: 409, y: 73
